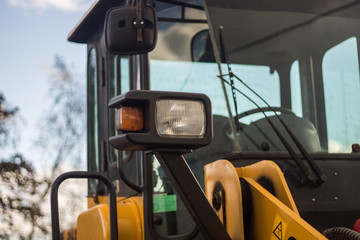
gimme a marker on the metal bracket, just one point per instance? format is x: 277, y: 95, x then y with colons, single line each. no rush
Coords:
x: 78, y: 174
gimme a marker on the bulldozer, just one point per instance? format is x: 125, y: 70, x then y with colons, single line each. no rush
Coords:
x: 220, y: 120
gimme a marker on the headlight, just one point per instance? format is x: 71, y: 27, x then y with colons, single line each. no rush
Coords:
x: 161, y: 121
x: 180, y: 118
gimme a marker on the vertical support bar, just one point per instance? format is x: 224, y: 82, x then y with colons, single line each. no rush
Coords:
x: 55, y: 206
x: 285, y: 87
x: 192, y: 195
x: 147, y: 196
x: 320, y: 100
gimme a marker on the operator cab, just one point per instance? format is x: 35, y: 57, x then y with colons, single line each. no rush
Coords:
x: 302, y: 58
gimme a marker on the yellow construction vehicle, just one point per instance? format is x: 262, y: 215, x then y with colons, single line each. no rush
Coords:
x: 220, y: 120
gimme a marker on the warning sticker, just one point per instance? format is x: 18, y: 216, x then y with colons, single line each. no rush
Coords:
x: 279, y: 228
x: 164, y: 203
x: 278, y: 231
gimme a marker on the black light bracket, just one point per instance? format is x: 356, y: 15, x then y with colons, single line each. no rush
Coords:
x: 191, y: 194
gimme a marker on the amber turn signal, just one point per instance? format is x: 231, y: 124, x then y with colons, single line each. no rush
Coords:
x: 129, y: 119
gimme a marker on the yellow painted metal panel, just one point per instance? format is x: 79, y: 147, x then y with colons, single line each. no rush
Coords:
x: 273, y: 220
x: 272, y: 217
x: 224, y: 172
x: 94, y: 223
x: 271, y: 171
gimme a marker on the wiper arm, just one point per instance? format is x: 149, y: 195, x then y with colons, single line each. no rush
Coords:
x: 298, y: 144
x: 224, y: 56
x: 308, y: 174
x: 308, y: 158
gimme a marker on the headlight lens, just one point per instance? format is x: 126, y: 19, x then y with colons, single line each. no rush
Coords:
x: 180, y: 118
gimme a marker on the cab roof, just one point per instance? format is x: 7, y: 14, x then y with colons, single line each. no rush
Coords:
x: 94, y: 18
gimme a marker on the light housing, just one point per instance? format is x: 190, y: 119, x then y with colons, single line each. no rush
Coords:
x: 171, y: 120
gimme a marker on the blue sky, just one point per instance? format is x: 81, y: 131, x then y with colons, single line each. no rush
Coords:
x: 32, y: 32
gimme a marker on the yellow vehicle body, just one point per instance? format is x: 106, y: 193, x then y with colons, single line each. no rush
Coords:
x: 94, y: 223
x: 273, y: 217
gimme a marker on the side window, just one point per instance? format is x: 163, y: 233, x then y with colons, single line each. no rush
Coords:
x: 296, y: 101
x: 118, y: 82
x: 125, y: 74
x: 112, y: 92
x: 93, y: 124
x: 341, y: 92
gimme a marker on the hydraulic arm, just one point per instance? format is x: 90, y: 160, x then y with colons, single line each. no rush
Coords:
x: 257, y: 199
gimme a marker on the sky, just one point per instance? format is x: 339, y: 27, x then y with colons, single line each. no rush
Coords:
x: 32, y: 32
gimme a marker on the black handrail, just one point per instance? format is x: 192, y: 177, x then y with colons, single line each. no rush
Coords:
x: 79, y: 174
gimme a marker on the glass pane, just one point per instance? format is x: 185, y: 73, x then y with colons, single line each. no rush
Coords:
x: 291, y: 37
x: 342, y: 101
x: 112, y: 92
x: 125, y: 74
x: 93, y: 130
x: 116, y: 64
x: 296, y: 104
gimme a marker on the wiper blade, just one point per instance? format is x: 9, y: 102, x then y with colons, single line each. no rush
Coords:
x: 225, y: 56
x: 298, y: 144
x: 308, y: 174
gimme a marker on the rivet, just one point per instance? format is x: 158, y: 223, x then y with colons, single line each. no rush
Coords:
x: 313, y: 199
x: 336, y: 198
x: 335, y: 173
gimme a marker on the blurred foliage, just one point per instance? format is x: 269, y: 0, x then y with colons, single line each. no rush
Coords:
x: 20, y: 200
x: 63, y: 128
x: 24, y: 193
x: 6, y: 116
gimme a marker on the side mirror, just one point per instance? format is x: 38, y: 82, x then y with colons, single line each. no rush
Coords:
x: 127, y: 34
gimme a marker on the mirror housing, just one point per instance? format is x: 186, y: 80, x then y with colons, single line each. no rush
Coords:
x: 122, y: 29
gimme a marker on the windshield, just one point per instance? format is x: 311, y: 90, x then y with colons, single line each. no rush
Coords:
x: 301, y: 58
x: 298, y: 60
x: 310, y: 53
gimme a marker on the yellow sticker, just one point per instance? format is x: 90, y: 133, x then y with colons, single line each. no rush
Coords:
x: 279, y: 228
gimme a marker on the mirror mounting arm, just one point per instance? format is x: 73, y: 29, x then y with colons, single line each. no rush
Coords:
x: 139, y: 22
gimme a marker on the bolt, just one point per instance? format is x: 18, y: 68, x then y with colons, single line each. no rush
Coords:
x: 313, y: 199
x: 336, y: 198
x: 142, y: 22
x: 265, y: 146
x: 158, y: 220
x: 335, y: 173
x: 216, y: 201
x: 356, y: 147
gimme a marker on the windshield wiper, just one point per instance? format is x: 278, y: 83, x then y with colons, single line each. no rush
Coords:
x: 308, y: 174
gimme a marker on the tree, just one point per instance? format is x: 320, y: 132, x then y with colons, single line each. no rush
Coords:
x: 6, y: 115
x: 23, y: 192
x: 63, y: 128
x: 19, y: 195
x: 18, y: 184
